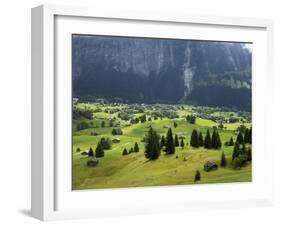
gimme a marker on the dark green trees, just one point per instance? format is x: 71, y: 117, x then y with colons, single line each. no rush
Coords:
x: 248, y: 136
x: 194, y: 140
x: 175, y: 125
x: 143, y: 118
x: 201, y: 140
x: 106, y: 143
x: 152, y: 147
x: 231, y: 142
x: 216, y: 141
x: 182, y: 143
x: 177, y: 143
x: 131, y: 150
x: 191, y: 119
x: 163, y: 142
x: 170, y: 145
x: 125, y: 152
x: 223, y: 160
x: 99, y: 151
x: 197, y: 176
x: 240, y: 138
x: 117, y: 131
x: 91, y: 152
x: 78, y: 149
x: 236, y: 151
x: 208, y: 142
x: 249, y: 155
x: 136, y: 147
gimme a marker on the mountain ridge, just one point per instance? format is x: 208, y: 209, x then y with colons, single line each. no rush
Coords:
x: 159, y: 70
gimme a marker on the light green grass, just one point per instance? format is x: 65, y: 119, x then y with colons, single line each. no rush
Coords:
x: 134, y: 170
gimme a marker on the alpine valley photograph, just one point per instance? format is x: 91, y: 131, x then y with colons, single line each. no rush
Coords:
x: 160, y: 112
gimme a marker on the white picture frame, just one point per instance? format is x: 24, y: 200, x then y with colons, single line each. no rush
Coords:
x: 52, y: 197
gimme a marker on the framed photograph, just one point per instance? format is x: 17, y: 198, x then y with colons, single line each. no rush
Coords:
x: 136, y: 112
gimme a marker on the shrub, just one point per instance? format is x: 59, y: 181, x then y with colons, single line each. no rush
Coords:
x: 239, y: 161
x: 136, y: 147
x: 131, y: 150
x: 91, y: 153
x: 223, y: 160
x: 197, y: 176
x: 106, y: 143
x: 99, y: 151
x: 117, y: 131
x: 125, y: 152
x: 82, y: 125
x: 191, y: 119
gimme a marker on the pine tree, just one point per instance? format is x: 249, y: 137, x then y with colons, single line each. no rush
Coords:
x: 246, y: 135
x: 91, y: 153
x: 163, y: 142
x: 208, y: 142
x: 102, y: 124
x: 218, y: 140
x: 78, y: 149
x: 197, y: 176
x: 250, y: 136
x: 175, y: 125
x: 99, y: 151
x: 249, y: 155
x: 131, y: 150
x: 236, y: 151
x: 177, y: 144
x: 201, y: 140
x: 191, y: 119
x: 152, y: 147
x: 136, y: 147
x: 125, y: 152
x: 194, y: 140
x: 170, y: 145
x: 240, y: 138
x: 243, y: 149
x: 223, y: 160
x: 231, y: 142
x: 214, y: 139
x: 182, y: 143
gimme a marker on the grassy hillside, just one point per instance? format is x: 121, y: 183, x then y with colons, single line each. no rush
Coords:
x: 115, y: 170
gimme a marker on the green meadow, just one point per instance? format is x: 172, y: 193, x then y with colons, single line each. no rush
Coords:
x: 115, y: 170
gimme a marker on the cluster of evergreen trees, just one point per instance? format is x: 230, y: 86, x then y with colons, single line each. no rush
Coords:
x: 117, y: 131
x: 131, y: 150
x: 191, y: 119
x: 152, y: 146
x: 209, y: 142
x: 99, y: 152
x: 170, y: 143
x: 167, y: 143
x: 241, y: 154
x: 230, y: 142
x: 106, y: 143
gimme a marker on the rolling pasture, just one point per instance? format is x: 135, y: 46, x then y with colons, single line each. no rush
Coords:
x: 134, y: 170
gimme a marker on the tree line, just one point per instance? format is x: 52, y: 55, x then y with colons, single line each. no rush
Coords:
x: 131, y: 150
x: 154, y: 144
x: 209, y: 142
